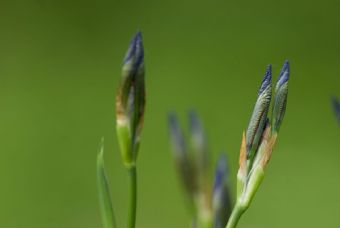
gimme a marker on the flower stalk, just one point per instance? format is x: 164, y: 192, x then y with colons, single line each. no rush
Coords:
x: 130, y: 104
x: 132, y: 197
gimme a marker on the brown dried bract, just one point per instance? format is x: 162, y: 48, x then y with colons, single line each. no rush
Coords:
x: 243, y: 155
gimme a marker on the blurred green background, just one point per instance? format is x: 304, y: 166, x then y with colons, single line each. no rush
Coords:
x: 59, y: 69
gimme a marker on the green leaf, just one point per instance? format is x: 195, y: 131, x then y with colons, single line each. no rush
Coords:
x: 105, y: 202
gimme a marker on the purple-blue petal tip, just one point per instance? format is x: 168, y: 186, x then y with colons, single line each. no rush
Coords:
x: 176, y: 134
x: 198, y: 139
x: 267, y: 79
x: 136, y: 49
x: 173, y: 124
x: 284, y: 74
x: 336, y: 107
x: 221, y: 172
x: 194, y: 123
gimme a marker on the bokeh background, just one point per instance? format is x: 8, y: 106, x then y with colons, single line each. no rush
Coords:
x: 59, y: 69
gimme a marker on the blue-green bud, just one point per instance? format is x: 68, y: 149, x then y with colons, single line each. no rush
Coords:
x: 280, y: 101
x: 199, y: 144
x: 182, y: 160
x: 130, y: 101
x: 259, y: 117
x: 221, y: 195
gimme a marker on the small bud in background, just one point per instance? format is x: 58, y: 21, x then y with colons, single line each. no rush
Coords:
x: 199, y: 146
x: 176, y: 136
x: 130, y: 101
x: 259, y: 116
x: 336, y: 107
x: 194, y: 224
x: 183, y: 163
x: 193, y: 167
x: 280, y: 100
x: 201, y: 163
x: 222, y: 205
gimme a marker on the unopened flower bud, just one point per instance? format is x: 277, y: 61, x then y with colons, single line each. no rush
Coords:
x: 130, y: 101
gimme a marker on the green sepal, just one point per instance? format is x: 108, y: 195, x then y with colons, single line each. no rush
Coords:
x: 125, y: 144
x: 254, y: 183
x: 240, y: 186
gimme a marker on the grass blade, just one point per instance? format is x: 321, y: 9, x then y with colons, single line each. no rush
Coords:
x: 107, y: 214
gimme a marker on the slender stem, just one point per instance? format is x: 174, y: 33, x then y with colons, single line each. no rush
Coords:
x: 235, y: 216
x: 132, y: 197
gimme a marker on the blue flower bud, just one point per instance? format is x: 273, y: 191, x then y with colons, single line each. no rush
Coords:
x: 221, y: 195
x: 259, y: 116
x: 199, y: 143
x: 183, y: 162
x: 280, y: 100
x: 176, y: 136
x: 130, y: 101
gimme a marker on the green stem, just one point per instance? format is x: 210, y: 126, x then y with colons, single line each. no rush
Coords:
x: 235, y: 216
x: 132, y: 197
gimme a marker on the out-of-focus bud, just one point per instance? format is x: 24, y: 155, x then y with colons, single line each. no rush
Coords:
x: 259, y: 116
x: 336, y: 107
x: 221, y: 195
x: 201, y: 168
x: 130, y: 101
x: 176, y: 136
x: 280, y: 101
x: 182, y: 161
x: 199, y: 145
